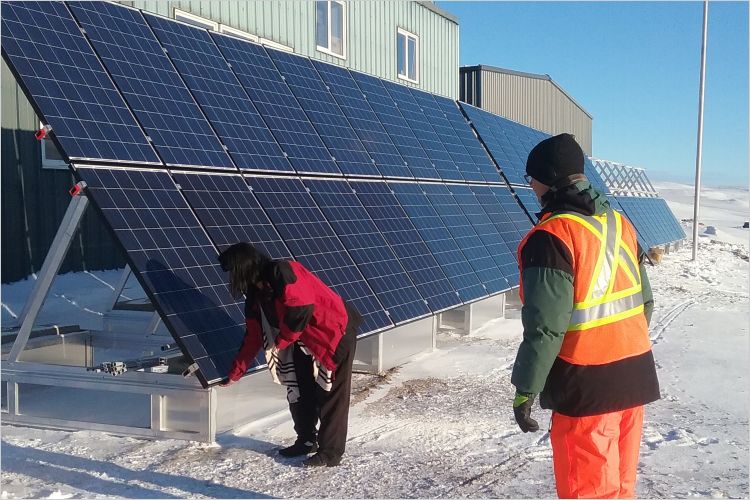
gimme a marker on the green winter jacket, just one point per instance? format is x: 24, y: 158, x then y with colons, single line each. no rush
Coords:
x: 548, y: 295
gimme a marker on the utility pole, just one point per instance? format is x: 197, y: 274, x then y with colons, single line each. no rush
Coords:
x: 699, y: 152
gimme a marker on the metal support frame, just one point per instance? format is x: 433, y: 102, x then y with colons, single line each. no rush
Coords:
x: 126, y: 272
x: 624, y: 180
x: 50, y: 268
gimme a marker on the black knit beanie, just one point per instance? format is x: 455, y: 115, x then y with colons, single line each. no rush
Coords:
x: 555, y: 158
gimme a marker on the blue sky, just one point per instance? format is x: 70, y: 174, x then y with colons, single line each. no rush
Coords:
x: 635, y: 68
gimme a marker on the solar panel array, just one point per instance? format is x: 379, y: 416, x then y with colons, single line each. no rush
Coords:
x: 653, y: 220
x: 509, y: 144
x: 384, y: 192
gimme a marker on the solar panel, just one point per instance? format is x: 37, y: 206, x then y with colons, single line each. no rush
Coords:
x: 229, y: 212
x: 71, y: 91
x: 653, y: 220
x: 151, y: 86
x: 465, y: 134
x: 396, y: 227
x: 508, y: 142
x: 513, y: 209
x: 277, y: 105
x: 504, y: 222
x: 175, y: 263
x: 447, y: 136
x: 501, y: 253
x: 313, y: 242
x: 529, y: 200
x: 220, y: 95
x: 324, y: 113
x: 466, y: 237
x: 363, y: 120
x: 400, y: 132
x: 433, y: 231
x: 419, y: 122
x: 368, y: 249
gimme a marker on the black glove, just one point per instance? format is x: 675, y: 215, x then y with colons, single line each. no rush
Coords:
x: 522, y: 411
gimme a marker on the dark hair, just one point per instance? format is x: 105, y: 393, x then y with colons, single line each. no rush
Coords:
x: 245, y: 265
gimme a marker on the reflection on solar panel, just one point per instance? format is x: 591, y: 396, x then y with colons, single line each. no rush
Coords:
x: 654, y: 221
x: 45, y: 48
x: 396, y: 227
x: 517, y: 214
x: 439, y: 240
x: 529, y: 201
x: 418, y: 121
x: 368, y: 249
x: 175, y: 262
x: 277, y: 104
x: 220, y: 95
x: 151, y: 86
x: 313, y: 242
x: 466, y: 237
x: 325, y: 115
x: 502, y: 219
x: 230, y: 213
x: 470, y: 141
x: 397, y: 128
x: 508, y: 142
x: 363, y: 120
x: 471, y: 207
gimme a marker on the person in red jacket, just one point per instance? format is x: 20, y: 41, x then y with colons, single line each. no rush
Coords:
x: 319, y: 328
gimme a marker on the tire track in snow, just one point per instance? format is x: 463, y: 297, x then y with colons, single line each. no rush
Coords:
x: 671, y: 315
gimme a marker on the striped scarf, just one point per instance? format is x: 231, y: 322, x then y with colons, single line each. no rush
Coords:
x: 281, y: 363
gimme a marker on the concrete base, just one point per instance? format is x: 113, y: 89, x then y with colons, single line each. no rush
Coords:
x: 465, y: 320
x: 381, y: 352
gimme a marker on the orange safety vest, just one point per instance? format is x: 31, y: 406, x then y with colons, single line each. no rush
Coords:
x: 607, y: 323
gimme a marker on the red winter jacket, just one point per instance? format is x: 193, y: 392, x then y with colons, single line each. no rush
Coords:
x: 305, y: 309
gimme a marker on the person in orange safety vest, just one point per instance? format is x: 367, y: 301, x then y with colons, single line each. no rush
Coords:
x: 586, y: 351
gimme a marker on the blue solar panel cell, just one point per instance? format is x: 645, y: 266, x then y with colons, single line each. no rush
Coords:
x: 396, y: 227
x: 175, y: 262
x: 312, y: 241
x: 400, y: 132
x: 436, y: 236
x: 419, y: 122
x: 151, y: 86
x: 59, y: 70
x: 368, y: 249
x: 230, y: 213
x: 465, y: 235
x: 501, y: 253
x: 324, y: 113
x: 277, y: 104
x: 363, y: 120
x: 513, y: 209
x: 217, y: 90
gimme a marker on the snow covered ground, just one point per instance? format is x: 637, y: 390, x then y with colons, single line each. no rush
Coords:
x: 441, y: 425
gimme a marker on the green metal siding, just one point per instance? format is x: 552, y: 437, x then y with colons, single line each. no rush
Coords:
x: 371, y: 33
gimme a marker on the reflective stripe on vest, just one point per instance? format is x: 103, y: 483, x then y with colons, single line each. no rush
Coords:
x: 602, y: 305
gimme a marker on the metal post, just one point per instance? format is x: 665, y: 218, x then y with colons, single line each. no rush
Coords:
x: 120, y: 286
x: 50, y: 268
x: 699, y: 152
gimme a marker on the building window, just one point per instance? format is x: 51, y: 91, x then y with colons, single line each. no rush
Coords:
x: 223, y: 28
x: 201, y: 22
x: 330, y: 27
x: 407, y: 55
x: 51, y: 157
